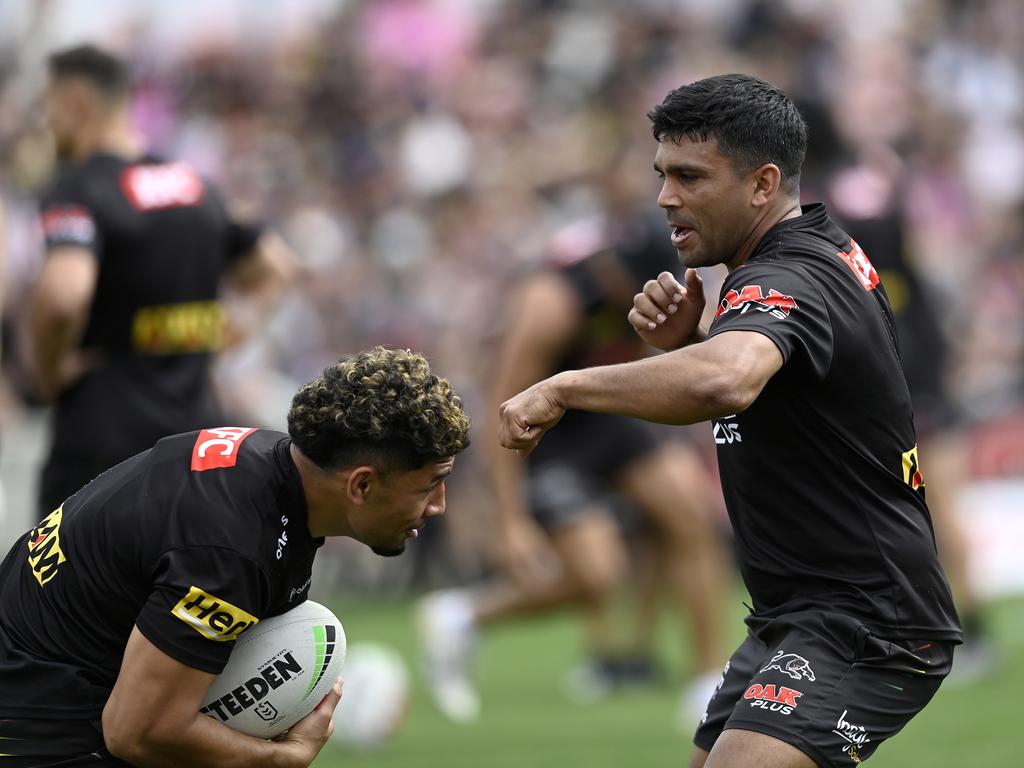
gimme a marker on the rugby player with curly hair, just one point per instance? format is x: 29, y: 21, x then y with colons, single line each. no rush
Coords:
x: 108, y: 640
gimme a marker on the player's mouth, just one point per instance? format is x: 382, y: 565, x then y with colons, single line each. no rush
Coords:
x: 681, y: 235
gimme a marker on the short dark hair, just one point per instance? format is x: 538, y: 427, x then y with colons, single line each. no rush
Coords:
x: 104, y: 71
x: 383, y: 407
x: 752, y: 121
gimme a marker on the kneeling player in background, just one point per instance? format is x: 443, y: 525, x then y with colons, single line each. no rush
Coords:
x: 560, y: 544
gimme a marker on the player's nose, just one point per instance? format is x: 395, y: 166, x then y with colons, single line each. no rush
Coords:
x: 436, y: 503
x: 669, y: 196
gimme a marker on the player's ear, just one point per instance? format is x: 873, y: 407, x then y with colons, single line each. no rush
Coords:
x: 767, y: 179
x: 361, y: 482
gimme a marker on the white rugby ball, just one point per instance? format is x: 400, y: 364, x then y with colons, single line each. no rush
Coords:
x: 375, y: 699
x: 278, y: 671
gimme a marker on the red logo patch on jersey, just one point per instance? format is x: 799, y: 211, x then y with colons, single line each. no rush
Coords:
x: 779, y: 304
x: 155, y: 187
x: 860, y: 264
x: 69, y: 223
x: 218, y: 448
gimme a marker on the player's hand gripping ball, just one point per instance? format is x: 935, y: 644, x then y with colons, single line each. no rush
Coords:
x: 278, y: 671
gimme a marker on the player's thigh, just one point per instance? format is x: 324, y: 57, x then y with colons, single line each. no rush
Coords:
x: 671, y: 486
x: 592, y: 551
x: 568, y: 500
x: 737, y: 748
x: 698, y: 758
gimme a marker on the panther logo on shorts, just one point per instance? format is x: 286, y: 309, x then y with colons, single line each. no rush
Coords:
x: 795, y: 666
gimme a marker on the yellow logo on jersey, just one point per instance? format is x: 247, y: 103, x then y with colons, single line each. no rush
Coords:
x: 170, y: 329
x: 44, y: 552
x: 211, y: 617
x: 912, y: 469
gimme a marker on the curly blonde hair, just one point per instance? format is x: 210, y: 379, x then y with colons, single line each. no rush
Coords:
x: 382, y: 406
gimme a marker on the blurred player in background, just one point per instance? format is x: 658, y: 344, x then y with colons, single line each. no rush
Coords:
x: 560, y: 543
x: 853, y: 625
x: 120, y: 608
x: 126, y: 317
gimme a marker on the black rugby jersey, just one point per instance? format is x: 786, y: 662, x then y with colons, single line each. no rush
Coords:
x: 820, y: 474
x: 194, y: 541
x: 163, y: 239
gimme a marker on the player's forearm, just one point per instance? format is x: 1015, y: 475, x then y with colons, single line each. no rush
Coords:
x: 54, y: 337
x: 205, y: 743
x: 681, y: 387
x: 267, y: 274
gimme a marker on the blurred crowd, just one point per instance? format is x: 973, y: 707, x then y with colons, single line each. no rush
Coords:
x: 418, y: 154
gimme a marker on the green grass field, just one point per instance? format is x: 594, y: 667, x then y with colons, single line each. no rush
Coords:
x: 529, y: 722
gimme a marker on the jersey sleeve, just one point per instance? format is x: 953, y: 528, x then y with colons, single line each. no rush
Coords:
x: 783, y: 304
x: 68, y: 217
x: 242, y: 236
x: 242, y: 239
x: 584, y: 285
x: 203, y: 599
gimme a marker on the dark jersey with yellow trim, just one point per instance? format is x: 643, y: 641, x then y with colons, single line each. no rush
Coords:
x: 820, y: 474
x: 193, y: 541
x: 163, y: 239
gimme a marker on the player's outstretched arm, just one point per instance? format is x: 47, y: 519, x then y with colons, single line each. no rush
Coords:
x: 152, y: 719
x: 718, y: 377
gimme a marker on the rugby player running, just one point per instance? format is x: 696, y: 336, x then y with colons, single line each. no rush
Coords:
x: 852, y: 626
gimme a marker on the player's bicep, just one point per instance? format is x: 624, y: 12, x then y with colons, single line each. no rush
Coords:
x: 67, y: 282
x: 748, y: 359
x: 154, y: 694
x: 203, y: 599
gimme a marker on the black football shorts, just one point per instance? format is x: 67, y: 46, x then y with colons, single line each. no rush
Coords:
x: 824, y: 683
x: 54, y: 744
x: 573, y: 468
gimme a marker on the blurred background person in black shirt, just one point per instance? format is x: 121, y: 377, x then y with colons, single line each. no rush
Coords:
x: 126, y: 315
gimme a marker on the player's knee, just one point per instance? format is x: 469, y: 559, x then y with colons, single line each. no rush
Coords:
x: 596, y: 584
x: 683, y: 527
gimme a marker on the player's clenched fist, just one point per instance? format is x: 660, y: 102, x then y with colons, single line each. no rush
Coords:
x: 667, y: 314
x: 528, y: 415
